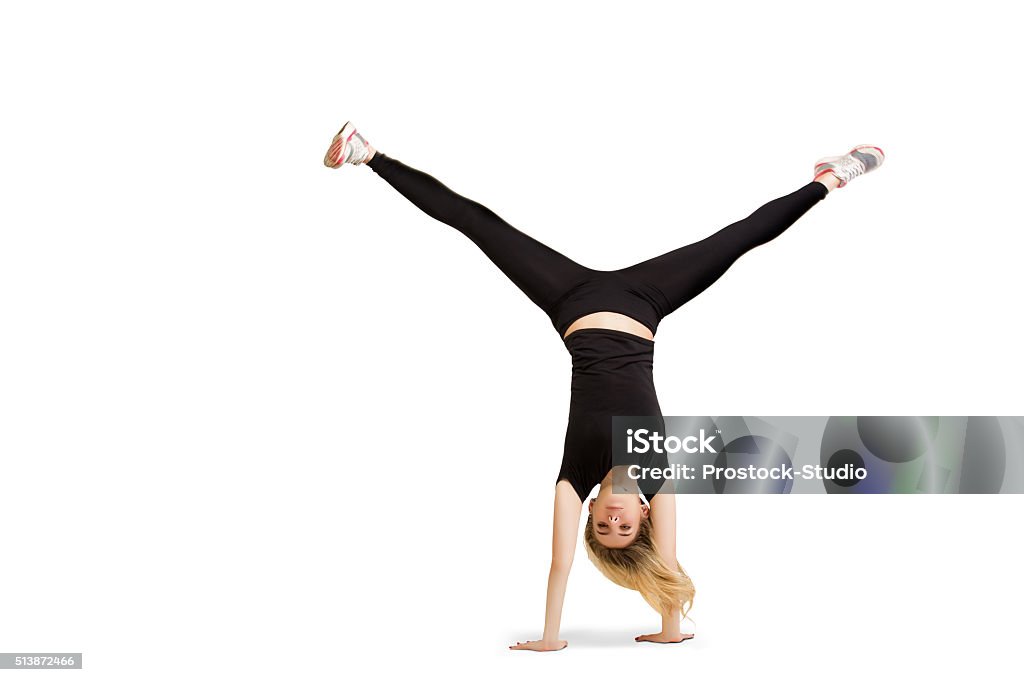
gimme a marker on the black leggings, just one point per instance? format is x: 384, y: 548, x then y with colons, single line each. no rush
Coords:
x: 566, y: 290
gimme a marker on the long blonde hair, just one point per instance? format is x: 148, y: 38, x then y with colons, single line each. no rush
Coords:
x: 639, y: 567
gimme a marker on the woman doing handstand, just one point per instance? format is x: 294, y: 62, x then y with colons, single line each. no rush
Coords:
x: 607, y: 320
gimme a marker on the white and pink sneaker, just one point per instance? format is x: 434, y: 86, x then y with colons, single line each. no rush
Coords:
x: 348, y: 146
x: 862, y: 159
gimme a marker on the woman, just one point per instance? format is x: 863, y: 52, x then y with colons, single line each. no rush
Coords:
x: 607, y: 320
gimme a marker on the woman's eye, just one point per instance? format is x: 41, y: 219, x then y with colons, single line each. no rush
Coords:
x: 602, y: 525
x: 625, y: 527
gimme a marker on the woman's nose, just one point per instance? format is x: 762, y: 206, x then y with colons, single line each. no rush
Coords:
x: 613, y: 519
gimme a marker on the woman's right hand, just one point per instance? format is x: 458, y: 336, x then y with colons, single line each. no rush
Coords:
x: 540, y: 645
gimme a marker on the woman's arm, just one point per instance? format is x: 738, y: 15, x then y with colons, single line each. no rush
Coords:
x: 563, y: 547
x: 663, y: 522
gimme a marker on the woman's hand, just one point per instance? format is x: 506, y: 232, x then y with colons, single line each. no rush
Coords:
x: 563, y: 546
x: 664, y: 638
x: 540, y: 645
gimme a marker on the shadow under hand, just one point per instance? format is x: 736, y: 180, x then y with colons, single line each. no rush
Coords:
x: 598, y: 639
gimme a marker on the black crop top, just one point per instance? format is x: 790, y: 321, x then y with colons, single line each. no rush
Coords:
x: 612, y: 375
x: 611, y: 291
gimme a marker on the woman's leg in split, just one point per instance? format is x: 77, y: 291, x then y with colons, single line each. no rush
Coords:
x: 542, y: 273
x: 685, y: 272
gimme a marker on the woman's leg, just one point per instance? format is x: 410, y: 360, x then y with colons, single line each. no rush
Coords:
x: 681, y: 274
x: 542, y: 273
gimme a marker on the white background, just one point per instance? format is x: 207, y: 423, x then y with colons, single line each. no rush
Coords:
x: 208, y: 339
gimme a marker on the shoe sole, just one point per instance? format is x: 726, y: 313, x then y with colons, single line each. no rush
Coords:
x: 336, y: 152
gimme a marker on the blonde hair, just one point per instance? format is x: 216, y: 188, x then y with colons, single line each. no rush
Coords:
x: 640, y: 567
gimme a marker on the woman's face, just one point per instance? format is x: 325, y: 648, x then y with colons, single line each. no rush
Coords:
x: 616, y: 517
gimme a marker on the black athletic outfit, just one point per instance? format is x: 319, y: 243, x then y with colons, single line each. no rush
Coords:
x: 612, y: 371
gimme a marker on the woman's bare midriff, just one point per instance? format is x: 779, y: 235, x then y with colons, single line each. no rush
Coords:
x: 608, y: 320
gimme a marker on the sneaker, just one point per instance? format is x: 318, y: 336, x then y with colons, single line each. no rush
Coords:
x: 348, y: 146
x: 861, y: 159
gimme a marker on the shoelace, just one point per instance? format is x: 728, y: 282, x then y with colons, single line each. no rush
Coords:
x: 848, y: 167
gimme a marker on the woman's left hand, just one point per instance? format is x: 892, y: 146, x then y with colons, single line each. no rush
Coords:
x: 663, y: 638
x: 540, y: 645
